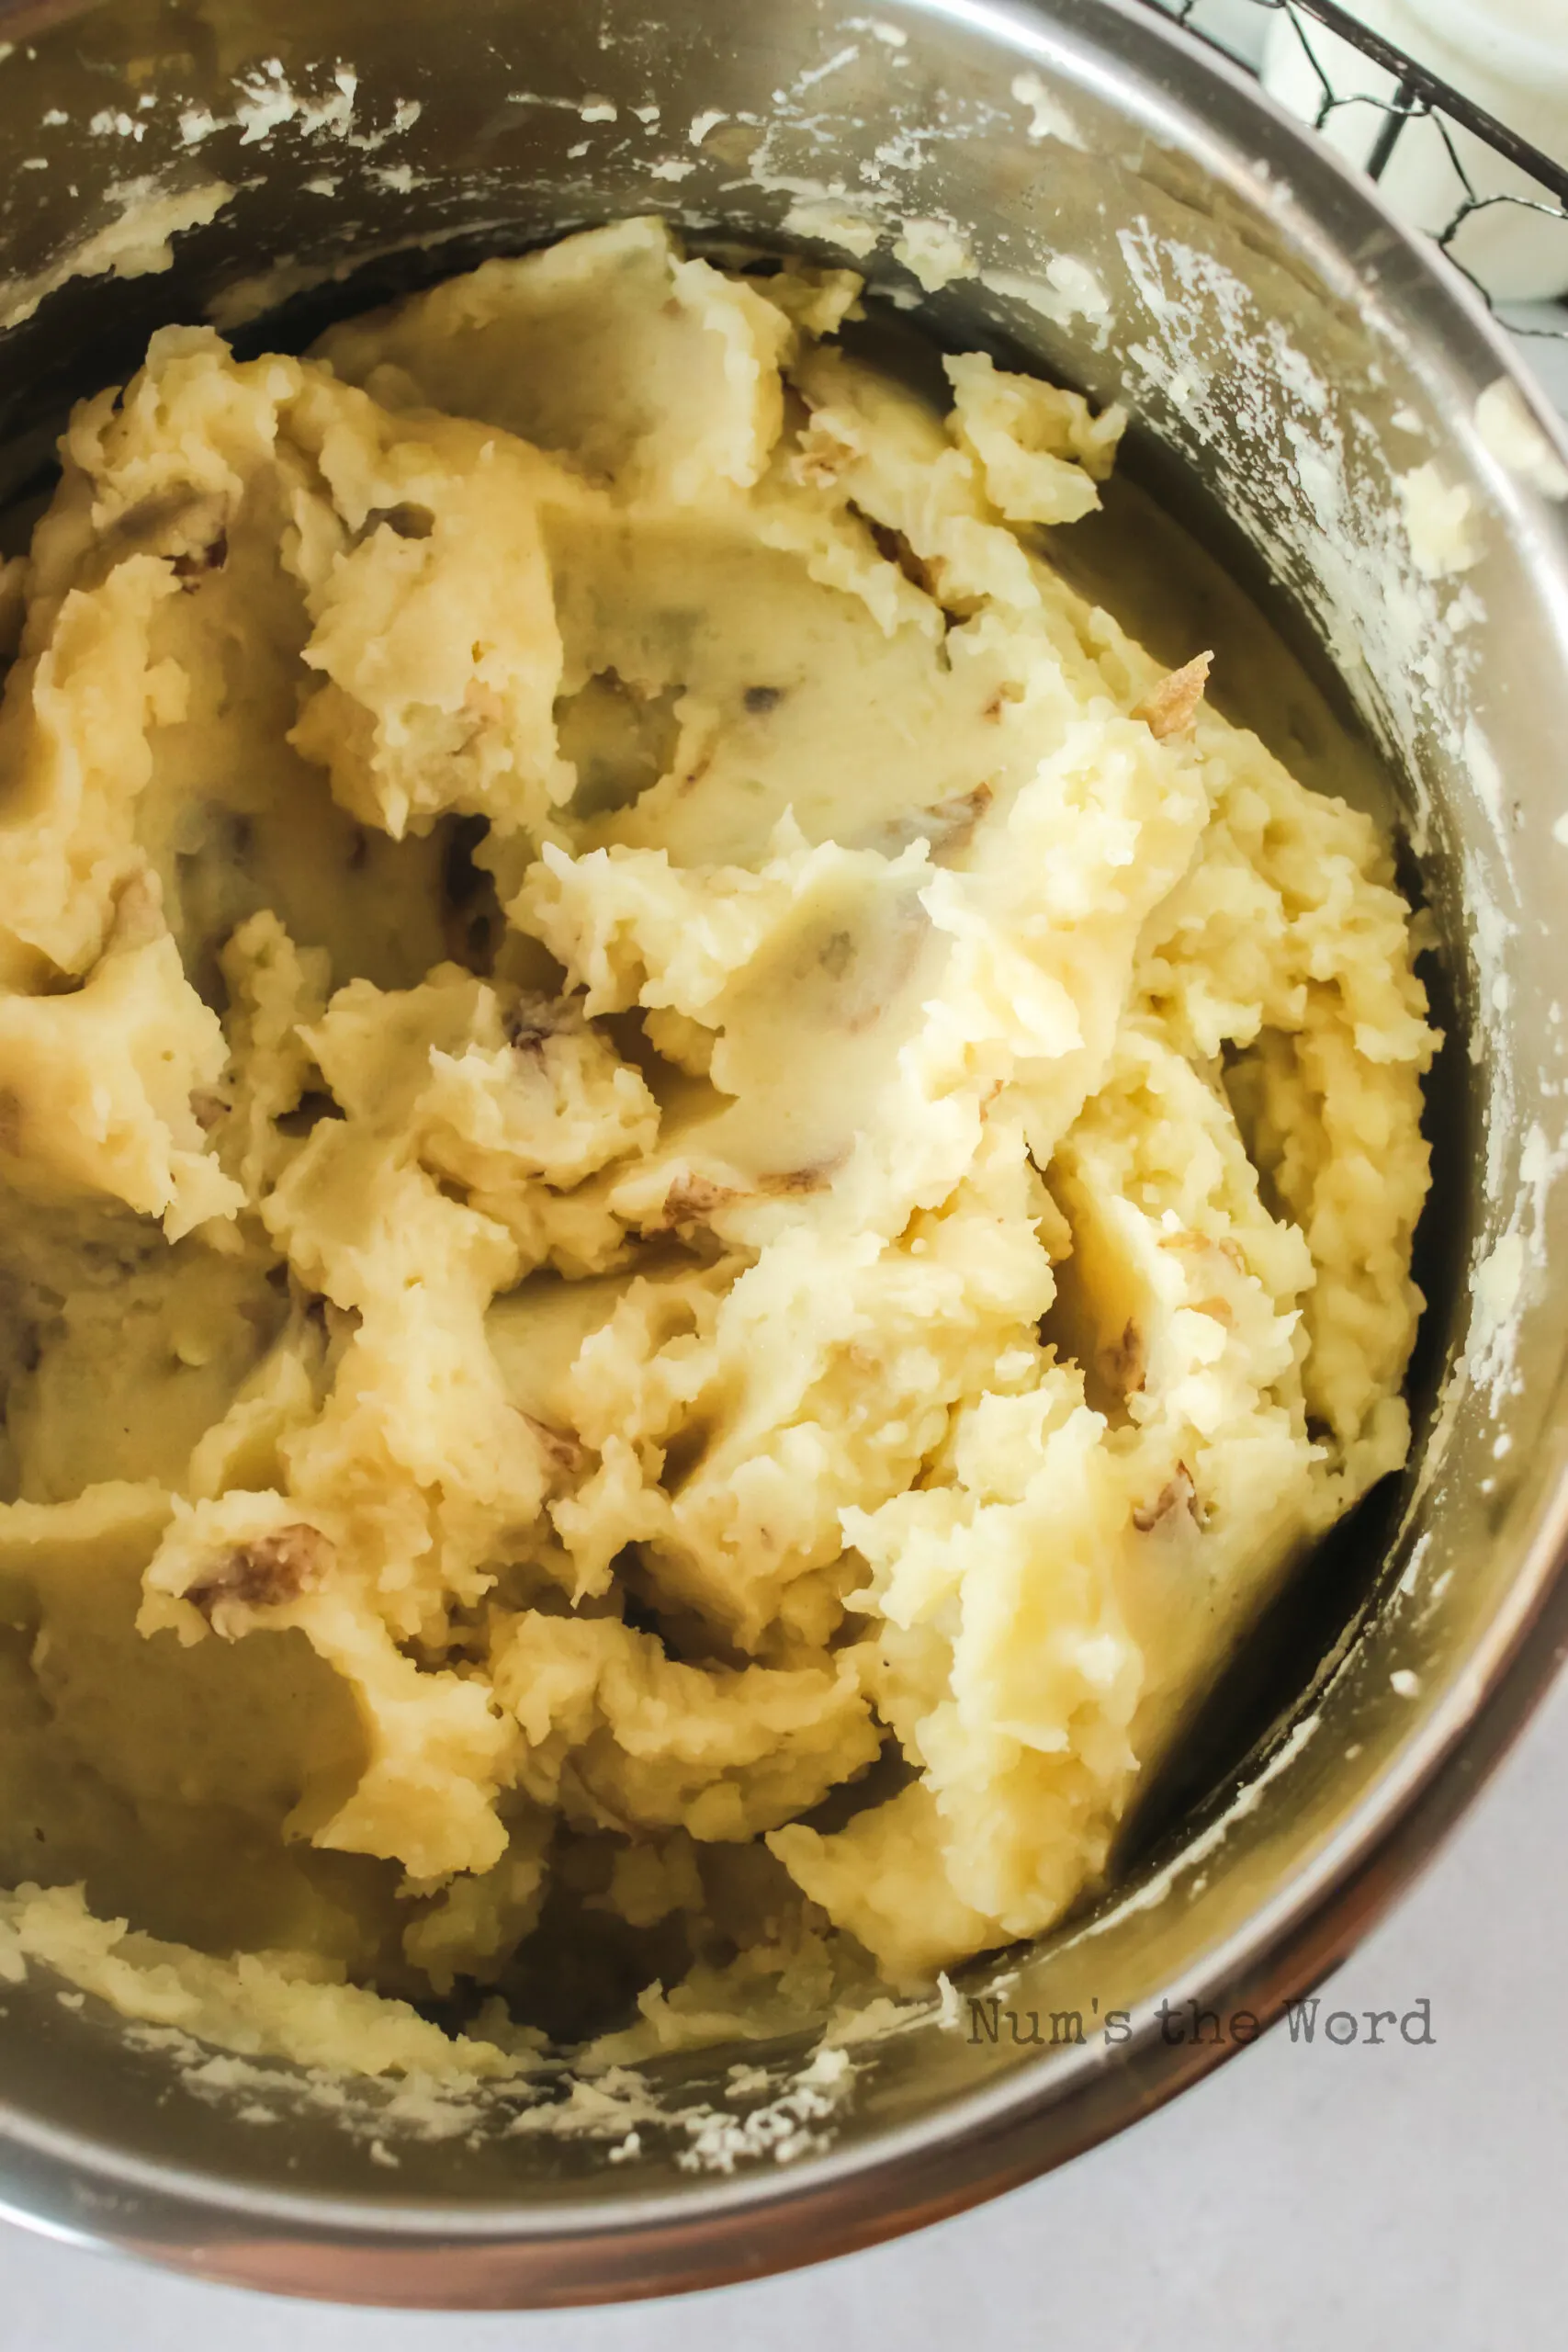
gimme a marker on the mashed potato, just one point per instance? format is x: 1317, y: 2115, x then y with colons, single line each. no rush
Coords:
x: 700, y: 1189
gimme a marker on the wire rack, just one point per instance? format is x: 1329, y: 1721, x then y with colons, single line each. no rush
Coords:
x: 1466, y: 177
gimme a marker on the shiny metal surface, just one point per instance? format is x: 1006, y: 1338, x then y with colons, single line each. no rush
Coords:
x: 1320, y: 1783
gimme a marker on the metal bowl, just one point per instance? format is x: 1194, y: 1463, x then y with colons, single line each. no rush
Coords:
x: 1141, y: 222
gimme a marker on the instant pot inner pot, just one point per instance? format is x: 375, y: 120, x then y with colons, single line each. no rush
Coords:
x: 327, y: 158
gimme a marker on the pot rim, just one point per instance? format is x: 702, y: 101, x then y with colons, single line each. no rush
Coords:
x: 983, y: 2142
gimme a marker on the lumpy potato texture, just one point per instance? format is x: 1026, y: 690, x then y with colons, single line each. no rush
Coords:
x: 700, y: 1189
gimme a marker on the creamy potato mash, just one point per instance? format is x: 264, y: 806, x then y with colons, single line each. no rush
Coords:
x: 700, y: 1188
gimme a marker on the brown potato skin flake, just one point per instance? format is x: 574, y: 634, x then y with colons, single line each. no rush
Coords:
x: 895, y: 548
x: 565, y: 1456
x: 1177, y: 1493
x: 800, y: 1180
x: 190, y: 570
x: 690, y: 1198
x: 1200, y: 1244
x: 959, y: 818
x: 1125, y: 1365
x: 266, y: 1573
x: 1171, y: 708
x: 530, y: 1025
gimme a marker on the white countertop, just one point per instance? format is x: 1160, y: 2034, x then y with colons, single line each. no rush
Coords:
x: 1301, y: 2199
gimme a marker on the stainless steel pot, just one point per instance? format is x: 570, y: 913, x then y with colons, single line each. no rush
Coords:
x: 1139, y: 221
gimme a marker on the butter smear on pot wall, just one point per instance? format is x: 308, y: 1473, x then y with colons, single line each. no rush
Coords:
x: 701, y: 1188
